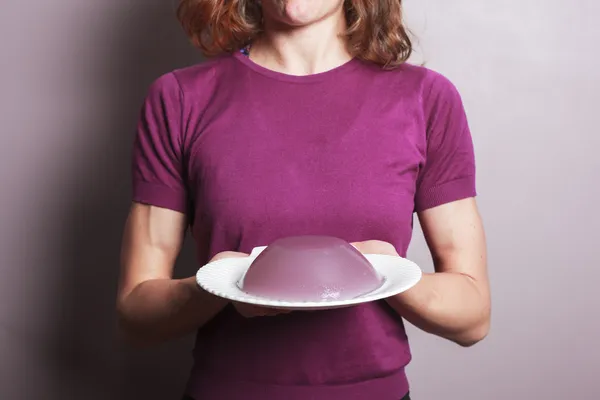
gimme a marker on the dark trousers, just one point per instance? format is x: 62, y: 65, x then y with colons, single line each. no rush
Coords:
x: 407, y: 397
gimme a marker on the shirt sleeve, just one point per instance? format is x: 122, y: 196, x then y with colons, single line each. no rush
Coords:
x: 448, y: 172
x: 157, y: 162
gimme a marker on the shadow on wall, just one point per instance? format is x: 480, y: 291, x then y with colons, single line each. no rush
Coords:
x: 148, y: 42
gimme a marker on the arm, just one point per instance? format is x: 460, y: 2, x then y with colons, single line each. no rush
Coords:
x: 454, y: 302
x: 152, y: 307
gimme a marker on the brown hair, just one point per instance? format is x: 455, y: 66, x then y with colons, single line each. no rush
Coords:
x: 375, y: 33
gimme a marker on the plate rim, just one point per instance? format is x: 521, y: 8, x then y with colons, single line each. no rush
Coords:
x: 242, y: 297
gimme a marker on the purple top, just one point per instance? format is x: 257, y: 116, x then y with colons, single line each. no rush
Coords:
x: 310, y: 268
x: 252, y: 155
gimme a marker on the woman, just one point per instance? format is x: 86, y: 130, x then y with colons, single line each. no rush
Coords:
x: 306, y: 121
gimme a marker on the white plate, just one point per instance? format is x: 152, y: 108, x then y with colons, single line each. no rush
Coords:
x: 221, y: 279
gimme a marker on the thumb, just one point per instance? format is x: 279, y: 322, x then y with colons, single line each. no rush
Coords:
x: 229, y: 254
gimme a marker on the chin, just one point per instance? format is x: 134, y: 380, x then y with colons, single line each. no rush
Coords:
x: 302, y: 12
x: 298, y: 13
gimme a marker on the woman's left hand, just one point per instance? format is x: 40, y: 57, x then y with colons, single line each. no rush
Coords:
x: 454, y: 301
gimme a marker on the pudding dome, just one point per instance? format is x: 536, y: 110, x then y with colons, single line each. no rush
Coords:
x: 310, y: 269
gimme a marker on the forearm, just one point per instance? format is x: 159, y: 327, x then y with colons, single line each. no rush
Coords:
x: 161, y: 309
x: 446, y: 304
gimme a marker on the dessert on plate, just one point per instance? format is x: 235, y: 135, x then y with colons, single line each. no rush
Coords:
x: 310, y: 269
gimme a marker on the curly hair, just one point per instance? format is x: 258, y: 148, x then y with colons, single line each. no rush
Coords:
x: 375, y: 30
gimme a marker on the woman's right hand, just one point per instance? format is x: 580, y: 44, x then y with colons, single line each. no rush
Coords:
x: 248, y: 310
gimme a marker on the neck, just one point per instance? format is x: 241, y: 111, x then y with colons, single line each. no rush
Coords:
x: 307, y: 50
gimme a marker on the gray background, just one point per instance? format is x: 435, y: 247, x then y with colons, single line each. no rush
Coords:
x: 73, y: 74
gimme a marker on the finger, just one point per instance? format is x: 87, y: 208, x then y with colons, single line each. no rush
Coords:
x: 250, y: 311
x: 267, y: 312
x: 229, y: 254
x: 376, y: 247
x: 272, y: 312
x: 261, y: 311
x: 246, y: 312
x: 248, y: 315
x: 281, y: 310
x: 275, y: 312
x: 357, y: 245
